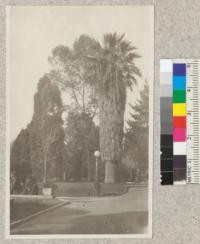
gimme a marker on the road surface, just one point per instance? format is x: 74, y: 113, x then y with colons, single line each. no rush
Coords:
x: 125, y: 214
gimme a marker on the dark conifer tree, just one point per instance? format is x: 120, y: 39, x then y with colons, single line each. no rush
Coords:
x: 140, y: 112
x: 20, y: 155
x: 47, y: 134
x: 38, y: 149
x: 136, y: 136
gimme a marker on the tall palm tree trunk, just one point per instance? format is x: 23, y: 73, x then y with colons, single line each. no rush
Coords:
x: 111, y: 122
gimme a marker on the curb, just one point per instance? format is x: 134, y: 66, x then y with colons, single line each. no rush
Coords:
x: 36, y: 197
x: 37, y: 214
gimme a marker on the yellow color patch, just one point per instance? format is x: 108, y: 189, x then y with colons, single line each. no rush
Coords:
x: 179, y: 109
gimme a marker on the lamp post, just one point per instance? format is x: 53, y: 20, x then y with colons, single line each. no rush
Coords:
x: 97, y: 155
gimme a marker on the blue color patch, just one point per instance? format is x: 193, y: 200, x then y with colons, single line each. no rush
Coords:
x: 179, y: 82
x: 179, y: 69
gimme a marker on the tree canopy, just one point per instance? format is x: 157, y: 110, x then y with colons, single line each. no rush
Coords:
x: 82, y: 139
x: 89, y: 83
x: 136, y: 136
x: 97, y: 77
x: 20, y: 155
x: 70, y: 71
x: 47, y: 134
x: 42, y: 141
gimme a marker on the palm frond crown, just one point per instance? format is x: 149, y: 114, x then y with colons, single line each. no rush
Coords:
x: 117, y: 66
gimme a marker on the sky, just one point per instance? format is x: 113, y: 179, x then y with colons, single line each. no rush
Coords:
x: 33, y: 31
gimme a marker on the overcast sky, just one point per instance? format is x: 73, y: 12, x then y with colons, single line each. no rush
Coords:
x: 32, y: 33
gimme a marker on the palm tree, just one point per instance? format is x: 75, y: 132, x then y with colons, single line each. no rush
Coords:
x: 115, y: 71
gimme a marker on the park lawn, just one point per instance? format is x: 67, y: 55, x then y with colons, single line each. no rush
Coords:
x: 85, y: 189
x: 22, y: 208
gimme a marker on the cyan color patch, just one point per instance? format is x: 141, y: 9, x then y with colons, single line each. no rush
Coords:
x: 179, y: 82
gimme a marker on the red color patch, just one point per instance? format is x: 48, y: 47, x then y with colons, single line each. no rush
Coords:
x: 179, y: 122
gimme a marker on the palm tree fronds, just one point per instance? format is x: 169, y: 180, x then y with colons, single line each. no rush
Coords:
x: 126, y: 46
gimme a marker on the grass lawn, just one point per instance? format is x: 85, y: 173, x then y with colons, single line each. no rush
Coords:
x: 22, y: 208
x: 84, y: 189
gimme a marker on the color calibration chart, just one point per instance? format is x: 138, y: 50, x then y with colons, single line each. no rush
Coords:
x: 180, y: 121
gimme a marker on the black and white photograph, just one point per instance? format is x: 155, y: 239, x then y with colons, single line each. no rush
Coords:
x: 79, y: 121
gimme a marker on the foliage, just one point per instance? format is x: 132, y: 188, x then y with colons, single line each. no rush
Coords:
x: 47, y: 135
x: 97, y: 76
x: 42, y: 142
x: 82, y: 139
x: 114, y: 67
x: 30, y: 186
x: 70, y: 72
x: 136, y: 138
x: 20, y: 155
x: 140, y: 112
x: 115, y: 71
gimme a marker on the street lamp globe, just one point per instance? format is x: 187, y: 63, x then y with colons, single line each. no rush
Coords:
x: 97, y: 154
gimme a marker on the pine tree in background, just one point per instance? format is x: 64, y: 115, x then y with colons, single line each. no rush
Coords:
x: 136, y: 138
x: 140, y: 112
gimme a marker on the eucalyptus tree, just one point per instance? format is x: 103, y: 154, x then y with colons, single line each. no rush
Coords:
x: 70, y: 72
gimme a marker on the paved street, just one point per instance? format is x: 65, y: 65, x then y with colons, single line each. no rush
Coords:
x: 125, y: 214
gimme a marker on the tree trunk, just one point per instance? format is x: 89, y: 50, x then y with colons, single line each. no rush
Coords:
x: 110, y: 172
x: 111, y: 123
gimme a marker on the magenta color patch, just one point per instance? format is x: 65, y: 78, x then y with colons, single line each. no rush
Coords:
x: 179, y: 134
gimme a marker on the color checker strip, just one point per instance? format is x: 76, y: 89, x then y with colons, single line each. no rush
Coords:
x: 179, y: 130
x: 173, y: 122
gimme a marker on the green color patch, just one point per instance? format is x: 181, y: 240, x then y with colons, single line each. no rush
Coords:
x: 179, y: 96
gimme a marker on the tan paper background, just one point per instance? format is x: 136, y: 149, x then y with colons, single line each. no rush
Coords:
x: 176, y: 209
